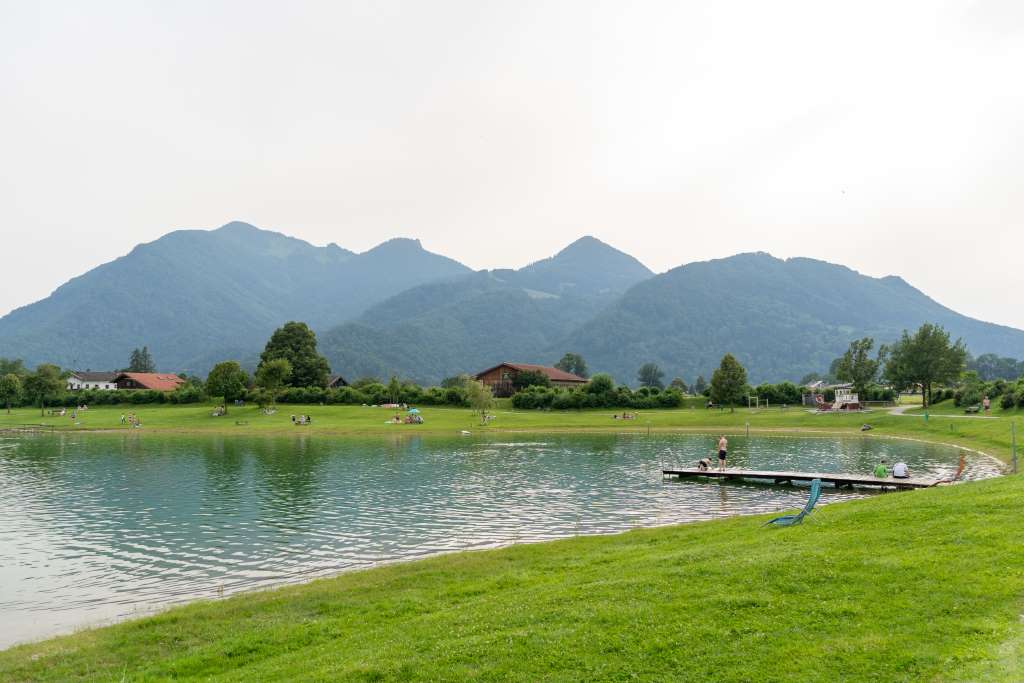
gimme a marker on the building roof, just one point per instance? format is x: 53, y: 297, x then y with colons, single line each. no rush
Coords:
x: 553, y: 374
x: 88, y: 376
x: 153, y: 380
x: 336, y: 381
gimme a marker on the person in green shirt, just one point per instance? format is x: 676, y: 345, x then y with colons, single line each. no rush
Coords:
x: 881, y: 471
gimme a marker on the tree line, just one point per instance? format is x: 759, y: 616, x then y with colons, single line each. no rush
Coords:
x: 291, y: 370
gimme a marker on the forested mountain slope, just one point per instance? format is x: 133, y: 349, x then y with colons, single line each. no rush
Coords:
x: 194, y: 295
x: 780, y: 318
x: 446, y: 328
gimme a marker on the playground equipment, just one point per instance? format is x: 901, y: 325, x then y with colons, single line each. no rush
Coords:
x: 846, y: 400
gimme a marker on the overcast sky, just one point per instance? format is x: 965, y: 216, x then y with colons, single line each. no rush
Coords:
x: 885, y: 136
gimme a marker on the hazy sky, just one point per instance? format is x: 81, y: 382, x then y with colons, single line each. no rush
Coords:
x: 886, y: 136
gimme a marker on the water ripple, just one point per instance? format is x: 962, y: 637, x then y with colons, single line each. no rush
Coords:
x: 98, y: 527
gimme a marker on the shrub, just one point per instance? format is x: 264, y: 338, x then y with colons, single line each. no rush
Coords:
x: 187, y: 394
x: 778, y: 394
x: 600, y: 383
x: 565, y: 400
x: 672, y: 398
x: 455, y: 396
x: 534, y: 397
x: 530, y: 378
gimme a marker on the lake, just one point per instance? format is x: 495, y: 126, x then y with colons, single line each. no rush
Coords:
x: 97, y: 527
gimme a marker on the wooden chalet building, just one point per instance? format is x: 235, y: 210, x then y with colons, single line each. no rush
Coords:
x: 154, y: 381
x: 501, y: 378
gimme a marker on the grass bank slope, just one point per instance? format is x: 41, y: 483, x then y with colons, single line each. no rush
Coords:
x: 924, y: 585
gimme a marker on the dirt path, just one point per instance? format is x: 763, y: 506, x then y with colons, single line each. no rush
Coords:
x: 902, y: 410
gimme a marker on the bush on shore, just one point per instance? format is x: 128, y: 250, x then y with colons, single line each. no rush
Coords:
x: 601, y: 392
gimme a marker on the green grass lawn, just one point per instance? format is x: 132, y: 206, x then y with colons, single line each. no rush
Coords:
x: 919, y: 586
x: 992, y: 436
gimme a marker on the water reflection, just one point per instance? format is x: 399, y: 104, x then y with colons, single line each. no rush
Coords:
x: 96, y: 526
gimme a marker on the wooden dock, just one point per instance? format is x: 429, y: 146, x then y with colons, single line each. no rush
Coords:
x: 838, y: 480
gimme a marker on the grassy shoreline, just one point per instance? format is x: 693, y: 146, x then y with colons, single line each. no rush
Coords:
x: 851, y: 594
x: 990, y: 436
x: 935, y: 595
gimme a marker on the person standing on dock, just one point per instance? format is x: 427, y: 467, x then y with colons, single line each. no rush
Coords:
x: 723, y: 452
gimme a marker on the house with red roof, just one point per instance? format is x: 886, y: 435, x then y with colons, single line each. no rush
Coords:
x: 154, y: 381
x: 501, y: 378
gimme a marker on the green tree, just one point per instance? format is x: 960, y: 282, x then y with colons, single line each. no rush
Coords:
x: 927, y: 357
x: 193, y: 381
x: 530, y: 378
x: 700, y: 386
x: 454, y: 381
x: 858, y: 367
x: 42, y: 384
x: 728, y: 382
x: 272, y: 375
x: 601, y: 383
x: 13, y: 366
x: 480, y: 397
x: 263, y: 398
x: 296, y: 343
x: 989, y: 367
x: 574, y: 363
x: 650, y: 375
x: 678, y: 384
x: 10, y: 389
x: 227, y: 379
x: 394, y: 389
x: 141, y: 361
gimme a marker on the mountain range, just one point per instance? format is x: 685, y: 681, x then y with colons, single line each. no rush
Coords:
x: 195, y: 297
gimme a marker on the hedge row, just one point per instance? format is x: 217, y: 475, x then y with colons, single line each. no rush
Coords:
x: 99, y: 397
x: 370, y: 394
x: 620, y: 397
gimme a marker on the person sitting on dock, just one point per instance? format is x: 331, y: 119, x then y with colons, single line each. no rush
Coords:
x: 881, y: 471
x: 900, y: 470
x: 723, y: 452
x: 704, y: 464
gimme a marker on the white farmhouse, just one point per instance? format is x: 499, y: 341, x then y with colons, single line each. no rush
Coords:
x: 92, y: 380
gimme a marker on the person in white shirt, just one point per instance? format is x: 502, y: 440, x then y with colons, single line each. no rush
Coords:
x: 900, y: 471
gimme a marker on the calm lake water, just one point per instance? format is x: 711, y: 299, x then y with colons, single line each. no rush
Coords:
x: 95, y: 527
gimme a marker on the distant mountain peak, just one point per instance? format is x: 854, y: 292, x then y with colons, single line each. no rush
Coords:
x: 586, y: 242
x: 238, y: 226
x: 588, y: 247
x: 396, y: 245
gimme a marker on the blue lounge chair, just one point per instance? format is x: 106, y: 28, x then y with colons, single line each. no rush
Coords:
x: 790, y: 520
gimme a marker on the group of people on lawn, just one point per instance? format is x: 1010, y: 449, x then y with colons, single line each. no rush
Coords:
x: 74, y: 412
x: 131, y: 419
